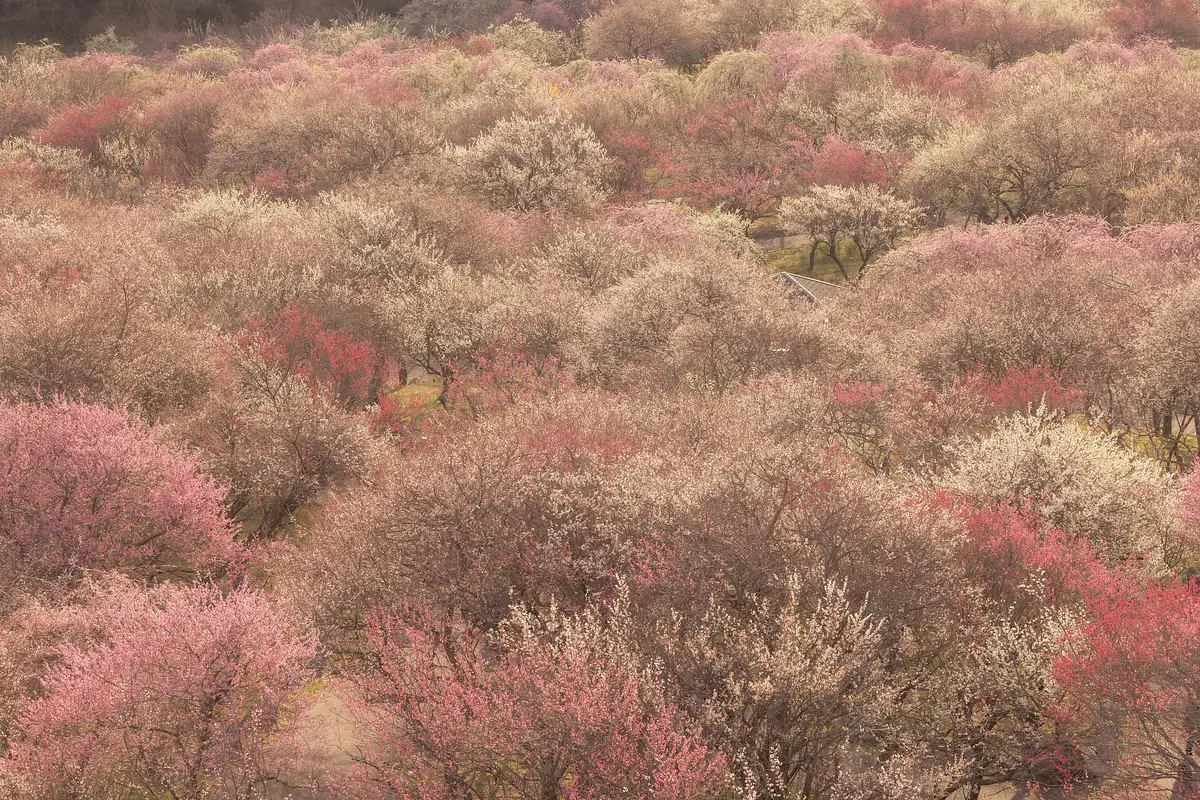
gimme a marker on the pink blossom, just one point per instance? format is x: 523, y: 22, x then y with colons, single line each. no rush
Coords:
x: 83, y: 487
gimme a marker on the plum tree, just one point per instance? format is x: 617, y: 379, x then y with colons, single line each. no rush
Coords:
x: 85, y: 488
x: 997, y: 31
x: 1176, y: 20
x: 740, y: 155
x: 537, y: 719
x: 637, y: 29
x: 171, y: 691
x: 871, y: 221
x: 537, y: 164
x: 1078, y: 482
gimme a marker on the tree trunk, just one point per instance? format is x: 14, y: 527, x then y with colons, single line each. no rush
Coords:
x: 378, y: 379
x: 841, y: 267
x: 443, y: 397
x: 862, y: 268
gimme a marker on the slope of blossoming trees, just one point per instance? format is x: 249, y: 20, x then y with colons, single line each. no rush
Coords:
x: 404, y: 406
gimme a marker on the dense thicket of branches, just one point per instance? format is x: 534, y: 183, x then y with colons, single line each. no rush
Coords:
x: 398, y: 400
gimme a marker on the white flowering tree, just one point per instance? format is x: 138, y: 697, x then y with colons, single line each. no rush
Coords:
x: 1083, y: 483
x: 795, y: 689
x: 537, y: 165
x: 871, y: 220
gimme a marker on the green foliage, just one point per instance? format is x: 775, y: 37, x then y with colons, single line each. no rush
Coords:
x: 542, y: 47
x: 108, y: 42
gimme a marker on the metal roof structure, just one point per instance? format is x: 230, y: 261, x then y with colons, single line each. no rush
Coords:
x: 811, y: 289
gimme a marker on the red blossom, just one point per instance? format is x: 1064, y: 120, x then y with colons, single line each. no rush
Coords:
x: 82, y: 127
x: 296, y: 342
x: 1020, y: 388
x: 841, y: 163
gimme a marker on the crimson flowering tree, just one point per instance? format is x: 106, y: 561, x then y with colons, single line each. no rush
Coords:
x: 174, y: 691
x: 841, y: 163
x: 1008, y: 550
x: 83, y: 127
x: 638, y: 162
x: 295, y: 342
x: 1021, y: 388
x: 532, y: 719
x: 1131, y: 677
x: 82, y: 487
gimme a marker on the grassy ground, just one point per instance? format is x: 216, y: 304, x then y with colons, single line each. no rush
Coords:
x: 795, y: 260
x: 1156, y: 446
x: 418, y: 395
x: 762, y: 225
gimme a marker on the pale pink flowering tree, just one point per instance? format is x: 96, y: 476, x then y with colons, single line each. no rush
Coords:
x: 82, y: 487
x: 172, y: 691
x: 448, y: 717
